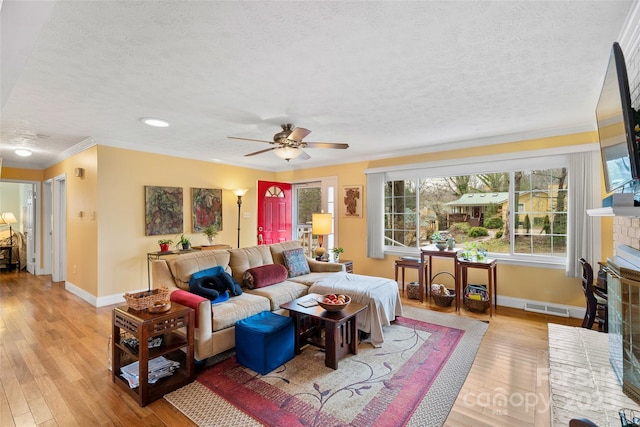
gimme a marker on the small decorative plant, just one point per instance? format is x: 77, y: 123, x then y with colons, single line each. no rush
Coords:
x: 210, y: 231
x: 184, y: 241
x: 336, y: 253
x: 437, y: 237
x: 164, y: 244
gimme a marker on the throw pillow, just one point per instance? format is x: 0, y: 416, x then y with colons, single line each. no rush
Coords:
x: 265, y: 275
x: 213, y: 271
x: 232, y: 286
x: 296, y: 262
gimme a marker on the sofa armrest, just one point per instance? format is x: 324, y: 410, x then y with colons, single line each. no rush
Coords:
x: 200, y: 305
x: 325, y: 267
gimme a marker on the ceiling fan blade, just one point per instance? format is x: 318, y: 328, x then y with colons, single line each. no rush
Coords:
x: 304, y: 156
x: 261, y: 151
x: 338, y: 145
x: 298, y: 134
x: 248, y: 139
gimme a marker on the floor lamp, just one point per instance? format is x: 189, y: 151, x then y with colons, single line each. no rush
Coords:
x: 239, y: 192
x: 321, y: 224
x: 8, y: 218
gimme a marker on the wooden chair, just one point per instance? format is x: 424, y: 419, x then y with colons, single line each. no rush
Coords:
x: 597, y: 305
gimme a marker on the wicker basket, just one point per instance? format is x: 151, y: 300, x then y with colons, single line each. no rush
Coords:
x: 413, y: 290
x: 144, y: 300
x: 476, y: 305
x: 443, y: 300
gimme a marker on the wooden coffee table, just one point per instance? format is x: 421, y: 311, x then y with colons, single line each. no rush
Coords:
x: 339, y: 327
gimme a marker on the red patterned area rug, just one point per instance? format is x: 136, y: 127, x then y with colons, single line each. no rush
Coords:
x: 413, y: 379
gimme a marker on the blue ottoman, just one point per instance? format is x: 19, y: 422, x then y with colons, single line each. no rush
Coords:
x: 264, y: 341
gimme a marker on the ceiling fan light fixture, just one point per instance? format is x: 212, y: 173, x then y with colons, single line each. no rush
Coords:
x: 288, y: 153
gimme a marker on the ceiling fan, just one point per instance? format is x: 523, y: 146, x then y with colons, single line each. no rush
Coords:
x: 289, y: 143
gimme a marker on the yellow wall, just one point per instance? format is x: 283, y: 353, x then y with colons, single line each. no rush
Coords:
x: 123, y: 174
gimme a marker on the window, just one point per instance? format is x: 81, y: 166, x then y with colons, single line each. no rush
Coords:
x: 476, y: 208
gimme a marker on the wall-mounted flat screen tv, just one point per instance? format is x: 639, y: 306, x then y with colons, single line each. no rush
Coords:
x: 614, y: 114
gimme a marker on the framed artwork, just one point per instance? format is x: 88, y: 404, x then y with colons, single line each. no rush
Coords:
x: 163, y: 210
x: 206, y: 208
x: 352, y: 198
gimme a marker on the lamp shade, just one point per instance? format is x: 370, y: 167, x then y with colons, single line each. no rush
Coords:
x: 240, y: 192
x: 7, y: 218
x: 321, y: 223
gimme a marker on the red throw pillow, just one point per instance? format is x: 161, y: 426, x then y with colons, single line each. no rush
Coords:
x: 265, y: 275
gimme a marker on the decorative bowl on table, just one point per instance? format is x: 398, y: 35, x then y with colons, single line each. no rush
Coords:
x: 334, y: 302
x: 441, y: 245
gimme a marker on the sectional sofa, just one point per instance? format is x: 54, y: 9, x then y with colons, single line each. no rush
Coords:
x: 258, y: 270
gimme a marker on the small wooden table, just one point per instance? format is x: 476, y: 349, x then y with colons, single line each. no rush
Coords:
x: 487, y: 264
x: 215, y: 247
x: 431, y: 251
x: 410, y: 263
x: 176, y: 327
x: 340, y: 331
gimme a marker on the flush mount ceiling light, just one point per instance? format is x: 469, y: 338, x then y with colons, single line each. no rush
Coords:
x: 23, y: 152
x: 158, y: 123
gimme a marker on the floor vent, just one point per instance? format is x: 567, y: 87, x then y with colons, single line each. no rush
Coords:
x: 546, y: 309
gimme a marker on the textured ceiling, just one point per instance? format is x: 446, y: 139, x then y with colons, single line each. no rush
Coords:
x: 388, y: 78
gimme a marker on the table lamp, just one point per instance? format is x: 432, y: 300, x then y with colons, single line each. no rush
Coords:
x: 8, y: 218
x: 320, y: 225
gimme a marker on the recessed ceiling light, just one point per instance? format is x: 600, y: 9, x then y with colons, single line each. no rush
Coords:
x: 158, y: 123
x: 23, y: 152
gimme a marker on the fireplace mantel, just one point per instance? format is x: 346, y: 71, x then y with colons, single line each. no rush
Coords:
x: 628, y: 211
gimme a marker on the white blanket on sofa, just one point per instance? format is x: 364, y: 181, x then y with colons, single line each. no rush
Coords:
x: 379, y: 294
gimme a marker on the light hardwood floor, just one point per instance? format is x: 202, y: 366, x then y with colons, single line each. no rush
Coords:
x: 54, y: 353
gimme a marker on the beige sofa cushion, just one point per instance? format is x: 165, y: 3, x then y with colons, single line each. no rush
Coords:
x: 237, y: 308
x: 243, y: 259
x: 183, y: 266
x: 280, y: 293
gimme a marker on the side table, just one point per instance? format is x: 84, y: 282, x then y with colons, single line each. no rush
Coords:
x: 491, y: 265
x: 431, y: 251
x: 403, y: 263
x: 176, y: 327
x: 348, y: 265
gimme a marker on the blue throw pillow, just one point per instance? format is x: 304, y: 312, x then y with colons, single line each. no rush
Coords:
x: 296, y: 262
x: 210, y: 287
x: 213, y: 271
x: 224, y: 296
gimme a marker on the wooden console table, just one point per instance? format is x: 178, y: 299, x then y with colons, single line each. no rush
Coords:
x: 211, y: 247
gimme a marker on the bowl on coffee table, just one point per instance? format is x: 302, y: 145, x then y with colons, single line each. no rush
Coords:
x: 334, y: 302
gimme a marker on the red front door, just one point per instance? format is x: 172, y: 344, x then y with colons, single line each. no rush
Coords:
x: 274, y: 212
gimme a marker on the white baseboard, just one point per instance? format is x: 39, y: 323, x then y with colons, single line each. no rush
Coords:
x: 91, y: 299
x: 576, y: 312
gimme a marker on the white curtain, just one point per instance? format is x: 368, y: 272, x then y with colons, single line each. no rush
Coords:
x: 375, y: 215
x: 583, y: 195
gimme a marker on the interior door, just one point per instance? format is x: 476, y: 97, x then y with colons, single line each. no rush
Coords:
x: 274, y: 212
x: 29, y: 229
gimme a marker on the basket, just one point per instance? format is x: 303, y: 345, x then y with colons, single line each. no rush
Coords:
x: 413, y: 290
x: 443, y: 300
x: 476, y: 305
x: 143, y: 300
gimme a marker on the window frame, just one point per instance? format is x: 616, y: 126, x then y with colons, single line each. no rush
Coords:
x: 468, y: 166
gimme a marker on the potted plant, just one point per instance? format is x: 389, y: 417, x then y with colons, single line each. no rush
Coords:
x: 336, y: 253
x: 184, y: 241
x: 210, y: 231
x: 164, y: 244
x: 439, y: 240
